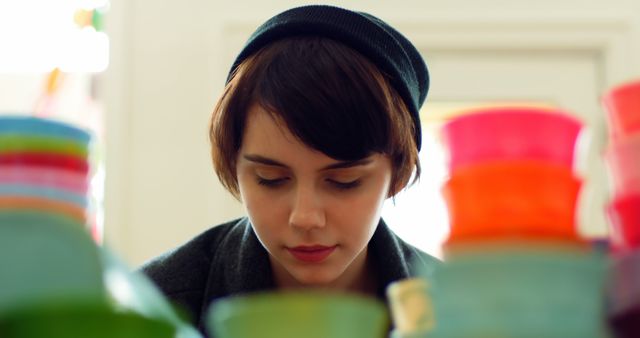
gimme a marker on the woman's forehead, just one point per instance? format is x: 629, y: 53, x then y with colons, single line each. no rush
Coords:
x: 263, y: 130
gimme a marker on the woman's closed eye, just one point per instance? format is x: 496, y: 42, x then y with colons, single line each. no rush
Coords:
x: 344, y: 185
x: 272, y: 182
x: 280, y: 181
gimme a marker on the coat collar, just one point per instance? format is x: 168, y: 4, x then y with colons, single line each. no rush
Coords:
x: 241, y: 264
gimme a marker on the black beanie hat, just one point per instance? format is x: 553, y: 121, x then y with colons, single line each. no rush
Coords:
x: 389, y: 50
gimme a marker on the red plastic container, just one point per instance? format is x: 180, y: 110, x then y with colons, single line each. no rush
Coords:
x: 46, y: 160
x: 622, y: 104
x: 624, y: 217
x: 512, y: 199
x: 511, y: 133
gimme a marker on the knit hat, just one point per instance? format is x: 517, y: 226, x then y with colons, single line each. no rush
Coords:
x: 385, y: 47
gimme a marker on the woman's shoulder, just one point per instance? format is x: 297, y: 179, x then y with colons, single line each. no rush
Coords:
x: 406, y: 260
x: 421, y: 262
x: 186, y: 267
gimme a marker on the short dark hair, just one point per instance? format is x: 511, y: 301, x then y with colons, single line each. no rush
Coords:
x: 328, y: 95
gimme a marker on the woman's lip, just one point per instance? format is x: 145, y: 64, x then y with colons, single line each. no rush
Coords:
x: 311, y: 253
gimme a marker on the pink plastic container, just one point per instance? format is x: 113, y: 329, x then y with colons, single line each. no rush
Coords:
x: 511, y: 133
x: 623, y: 161
x: 45, y: 177
x: 622, y: 104
x: 624, y: 217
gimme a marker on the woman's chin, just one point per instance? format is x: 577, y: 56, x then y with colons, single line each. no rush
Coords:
x: 315, y: 280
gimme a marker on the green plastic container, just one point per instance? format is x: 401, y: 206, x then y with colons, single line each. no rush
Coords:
x: 19, y: 143
x: 78, y: 319
x: 298, y: 314
x: 133, y: 291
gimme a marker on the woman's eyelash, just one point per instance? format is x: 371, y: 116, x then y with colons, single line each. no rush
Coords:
x: 271, y: 183
x: 345, y: 185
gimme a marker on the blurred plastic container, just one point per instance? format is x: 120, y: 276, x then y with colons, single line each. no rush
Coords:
x: 133, y: 291
x: 16, y: 143
x: 411, y: 308
x: 51, y: 193
x: 512, y: 199
x: 20, y: 217
x: 46, y: 160
x: 626, y: 324
x: 622, y: 104
x: 28, y: 125
x: 520, y: 291
x: 297, y: 314
x: 511, y: 133
x: 81, y: 319
x: 46, y: 261
x: 624, y: 217
x: 623, y: 294
x: 45, y: 177
x: 623, y: 290
x: 19, y: 203
x: 623, y: 161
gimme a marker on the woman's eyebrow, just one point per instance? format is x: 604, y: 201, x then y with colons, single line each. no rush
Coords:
x: 348, y: 164
x: 338, y: 165
x: 263, y: 160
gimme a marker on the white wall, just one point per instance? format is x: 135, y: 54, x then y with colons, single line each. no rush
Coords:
x: 169, y: 61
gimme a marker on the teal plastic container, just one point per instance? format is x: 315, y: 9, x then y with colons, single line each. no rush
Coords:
x: 520, y: 292
x: 27, y: 217
x: 45, y: 258
x: 37, y: 126
x: 50, y: 193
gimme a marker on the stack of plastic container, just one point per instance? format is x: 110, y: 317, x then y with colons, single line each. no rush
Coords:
x: 55, y: 281
x: 43, y: 171
x: 515, y: 264
x: 622, y: 156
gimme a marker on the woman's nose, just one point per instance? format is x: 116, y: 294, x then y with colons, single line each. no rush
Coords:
x: 307, y: 211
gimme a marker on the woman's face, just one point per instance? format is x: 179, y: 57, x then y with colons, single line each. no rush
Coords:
x: 314, y: 215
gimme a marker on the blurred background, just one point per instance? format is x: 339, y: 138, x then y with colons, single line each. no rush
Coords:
x: 144, y: 76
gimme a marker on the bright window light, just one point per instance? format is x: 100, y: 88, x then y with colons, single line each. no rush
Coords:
x: 37, y: 36
x: 419, y: 214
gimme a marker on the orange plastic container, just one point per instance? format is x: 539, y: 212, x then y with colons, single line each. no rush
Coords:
x: 524, y: 199
x: 622, y: 104
x: 44, y: 205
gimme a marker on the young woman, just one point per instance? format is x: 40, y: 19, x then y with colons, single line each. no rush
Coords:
x: 318, y: 125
